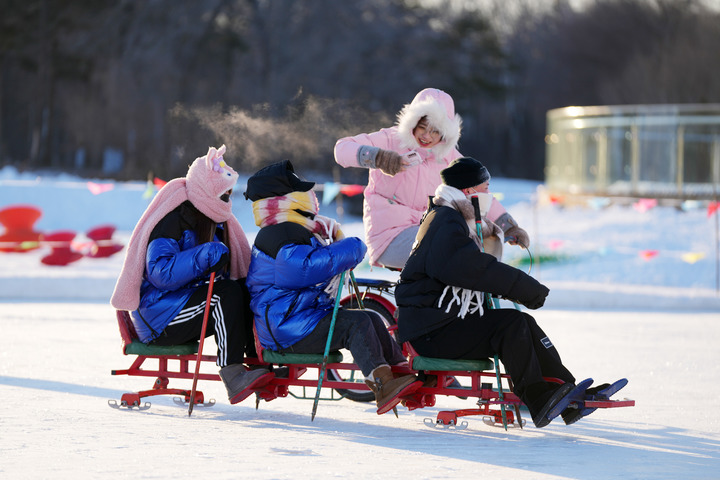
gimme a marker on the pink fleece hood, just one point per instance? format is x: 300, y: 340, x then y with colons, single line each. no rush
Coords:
x: 208, y: 178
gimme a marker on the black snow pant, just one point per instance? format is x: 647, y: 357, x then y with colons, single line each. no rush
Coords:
x: 517, y: 339
x: 230, y: 320
x: 362, y: 332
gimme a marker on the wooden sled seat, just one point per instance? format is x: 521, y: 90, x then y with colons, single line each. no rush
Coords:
x: 450, y: 365
x: 133, y: 346
x: 296, y: 365
x: 278, y: 358
x: 139, y: 348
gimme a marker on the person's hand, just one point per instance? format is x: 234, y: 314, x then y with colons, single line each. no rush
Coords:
x: 331, y: 228
x: 517, y: 236
x: 221, y: 262
x: 513, y: 233
x: 538, y: 299
x: 389, y: 162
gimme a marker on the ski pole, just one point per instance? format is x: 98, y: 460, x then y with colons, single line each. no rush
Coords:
x: 357, y: 290
x: 202, y: 341
x: 323, y: 367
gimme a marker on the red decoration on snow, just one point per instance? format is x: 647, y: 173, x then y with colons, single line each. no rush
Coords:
x: 19, y: 235
x: 61, y: 253
x: 103, y: 245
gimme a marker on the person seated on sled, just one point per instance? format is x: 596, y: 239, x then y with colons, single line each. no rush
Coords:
x: 440, y: 299
x: 404, y: 163
x: 297, y: 259
x: 187, y: 232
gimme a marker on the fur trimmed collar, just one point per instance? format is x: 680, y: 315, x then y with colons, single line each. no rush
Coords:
x: 492, y: 235
x: 469, y: 301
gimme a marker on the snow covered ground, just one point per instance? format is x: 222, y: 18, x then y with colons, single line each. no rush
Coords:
x: 633, y: 294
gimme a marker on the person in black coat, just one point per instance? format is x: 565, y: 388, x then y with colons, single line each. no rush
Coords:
x: 441, y: 292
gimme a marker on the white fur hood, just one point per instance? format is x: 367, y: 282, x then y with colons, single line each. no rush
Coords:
x: 439, y: 108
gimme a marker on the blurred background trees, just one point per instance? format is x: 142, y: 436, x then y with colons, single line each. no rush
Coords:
x: 127, y: 87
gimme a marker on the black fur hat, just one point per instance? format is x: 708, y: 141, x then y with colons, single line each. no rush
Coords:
x: 275, y: 180
x: 465, y: 172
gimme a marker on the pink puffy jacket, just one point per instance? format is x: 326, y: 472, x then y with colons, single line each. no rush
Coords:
x: 394, y: 203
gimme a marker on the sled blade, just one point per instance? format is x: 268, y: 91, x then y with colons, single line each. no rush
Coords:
x: 436, y: 424
x: 124, y: 405
x: 185, y: 402
x: 490, y: 421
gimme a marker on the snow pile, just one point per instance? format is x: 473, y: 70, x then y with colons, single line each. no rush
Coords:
x: 611, y: 256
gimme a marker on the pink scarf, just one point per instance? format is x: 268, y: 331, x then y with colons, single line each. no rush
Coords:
x: 207, y: 179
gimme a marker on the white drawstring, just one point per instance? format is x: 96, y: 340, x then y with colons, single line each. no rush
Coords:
x: 469, y: 301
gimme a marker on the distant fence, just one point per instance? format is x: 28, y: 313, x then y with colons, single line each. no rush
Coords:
x: 659, y: 151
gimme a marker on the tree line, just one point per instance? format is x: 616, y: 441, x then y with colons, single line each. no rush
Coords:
x: 126, y: 88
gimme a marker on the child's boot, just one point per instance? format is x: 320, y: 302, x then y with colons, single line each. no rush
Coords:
x: 388, y: 389
x: 240, y: 383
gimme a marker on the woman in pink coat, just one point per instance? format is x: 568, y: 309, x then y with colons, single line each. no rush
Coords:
x: 405, y: 161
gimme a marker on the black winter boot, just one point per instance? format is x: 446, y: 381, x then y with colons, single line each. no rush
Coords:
x: 240, y: 383
x: 540, y: 408
x: 572, y: 415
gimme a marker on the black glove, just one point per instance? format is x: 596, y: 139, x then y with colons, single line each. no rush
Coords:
x: 222, y: 261
x: 528, y: 291
x: 538, y: 299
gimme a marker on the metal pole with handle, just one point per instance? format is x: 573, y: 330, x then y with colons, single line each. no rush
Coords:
x: 202, y: 341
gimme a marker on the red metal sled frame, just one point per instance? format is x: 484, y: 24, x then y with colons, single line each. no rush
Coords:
x: 178, y: 366
x: 174, y: 365
x: 489, y: 402
x: 168, y: 366
x: 280, y: 387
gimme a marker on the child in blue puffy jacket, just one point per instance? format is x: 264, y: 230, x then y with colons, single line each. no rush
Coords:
x: 187, y: 232
x: 296, y: 260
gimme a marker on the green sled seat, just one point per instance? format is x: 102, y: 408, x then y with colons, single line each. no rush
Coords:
x: 270, y: 356
x: 136, y: 347
x: 446, y: 365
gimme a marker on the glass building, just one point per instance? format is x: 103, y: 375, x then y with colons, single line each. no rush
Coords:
x: 656, y: 151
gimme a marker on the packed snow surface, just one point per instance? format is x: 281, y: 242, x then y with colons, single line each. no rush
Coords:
x: 634, y: 294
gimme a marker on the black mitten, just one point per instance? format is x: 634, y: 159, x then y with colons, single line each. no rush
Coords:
x: 528, y: 291
x: 222, y: 261
x: 538, y: 300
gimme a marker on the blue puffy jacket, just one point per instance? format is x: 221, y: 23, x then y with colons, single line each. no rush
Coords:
x: 287, y: 291
x: 175, y: 266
